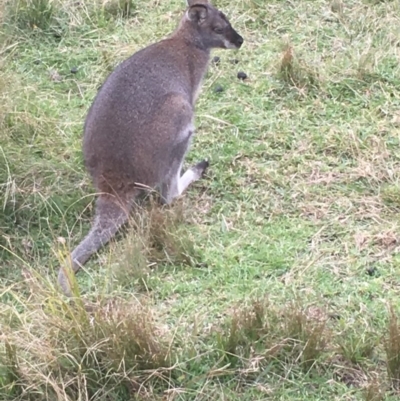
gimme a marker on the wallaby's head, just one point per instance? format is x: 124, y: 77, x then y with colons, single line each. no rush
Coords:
x: 211, y: 26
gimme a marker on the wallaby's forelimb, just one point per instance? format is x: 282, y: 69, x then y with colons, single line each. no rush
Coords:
x: 177, y: 184
x: 110, y: 216
x: 192, y: 175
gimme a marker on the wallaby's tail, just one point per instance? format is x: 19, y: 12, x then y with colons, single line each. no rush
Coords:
x: 110, y: 216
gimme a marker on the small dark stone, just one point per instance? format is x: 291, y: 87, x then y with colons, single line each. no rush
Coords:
x: 218, y: 89
x: 74, y: 70
x: 371, y: 271
x: 216, y: 60
x: 37, y: 62
x: 242, y: 75
x: 234, y: 61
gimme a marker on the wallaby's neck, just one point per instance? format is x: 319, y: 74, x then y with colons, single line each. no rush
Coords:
x: 194, y: 54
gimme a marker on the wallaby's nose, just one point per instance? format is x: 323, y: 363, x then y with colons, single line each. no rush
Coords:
x: 239, y: 41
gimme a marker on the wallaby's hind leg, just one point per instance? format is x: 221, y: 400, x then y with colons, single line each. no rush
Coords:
x: 110, y: 216
x: 177, y: 184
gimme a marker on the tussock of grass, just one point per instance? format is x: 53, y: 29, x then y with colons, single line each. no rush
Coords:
x: 122, y: 8
x: 357, y: 346
x: 53, y: 348
x: 261, y: 329
x: 390, y: 194
x: 308, y: 327
x: 247, y: 327
x: 32, y: 14
x: 295, y: 72
x: 374, y: 391
x: 163, y: 229
x: 56, y: 17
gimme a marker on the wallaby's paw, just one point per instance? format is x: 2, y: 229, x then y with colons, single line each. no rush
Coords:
x: 201, y: 167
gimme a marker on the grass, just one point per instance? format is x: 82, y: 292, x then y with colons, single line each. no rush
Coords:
x: 276, y: 277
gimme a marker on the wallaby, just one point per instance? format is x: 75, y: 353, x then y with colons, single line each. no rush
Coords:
x: 140, y: 124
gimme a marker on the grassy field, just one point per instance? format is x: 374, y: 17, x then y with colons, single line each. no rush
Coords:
x: 277, y: 277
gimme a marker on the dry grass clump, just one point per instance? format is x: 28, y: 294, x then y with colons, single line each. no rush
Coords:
x: 45, y: 15
x: 390, y: 195
x: 374, y: 391
x: 307, y: 328
x: 51, y: 348
x: 156, y: 235
x: 295, y: 72
x: 55, y: 349
x: 357, y: 343
x: 290, y: 333
x: 246, y: 326
x: 121, y: 8
x: 167, y: 236
x: 32, y: 14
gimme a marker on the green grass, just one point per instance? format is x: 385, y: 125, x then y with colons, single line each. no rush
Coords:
x: 274, y: 278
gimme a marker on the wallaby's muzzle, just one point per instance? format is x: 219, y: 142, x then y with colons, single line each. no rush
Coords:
x: 238, y: 40
x: 233, y: 40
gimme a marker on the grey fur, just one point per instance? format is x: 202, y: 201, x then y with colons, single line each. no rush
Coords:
x: 140, y: 125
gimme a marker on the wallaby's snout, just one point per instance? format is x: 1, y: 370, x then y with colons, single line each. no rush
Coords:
x: 213, y: 27
x: 235, y: 41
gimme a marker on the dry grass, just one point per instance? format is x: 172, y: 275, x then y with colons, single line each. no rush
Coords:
x: 54, y: 349
x: 295, y: 72
x: 374, y: 391
x: 290, y: 333
x: 55, y: 16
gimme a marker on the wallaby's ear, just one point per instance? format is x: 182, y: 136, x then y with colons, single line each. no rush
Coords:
x: 197, y: 12
x: 192, y: 3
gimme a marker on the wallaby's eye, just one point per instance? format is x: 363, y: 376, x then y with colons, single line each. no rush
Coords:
x: 218, y: 30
